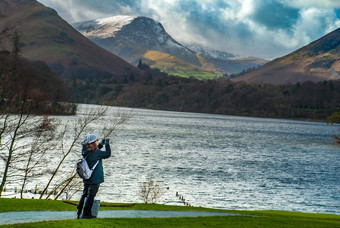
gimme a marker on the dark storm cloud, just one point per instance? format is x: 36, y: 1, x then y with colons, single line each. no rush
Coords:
x: 275, y: 15
x: 203, y: 17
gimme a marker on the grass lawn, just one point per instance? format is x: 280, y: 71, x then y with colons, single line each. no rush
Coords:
x: 261, y: 218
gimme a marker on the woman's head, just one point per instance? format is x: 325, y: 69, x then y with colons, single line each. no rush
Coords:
x: 91, y: 141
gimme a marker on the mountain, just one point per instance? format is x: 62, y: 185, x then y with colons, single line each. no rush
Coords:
x: 131, y: 36
x: 228, y: 62
x: 211, y: 53
x: 46, y: 36
x: 317, y: 61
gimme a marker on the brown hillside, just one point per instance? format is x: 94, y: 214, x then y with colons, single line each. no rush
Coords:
x: 317, y: 61
x: 46, y: 36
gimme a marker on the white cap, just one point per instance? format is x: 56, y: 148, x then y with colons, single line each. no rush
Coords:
x: 90, y: 138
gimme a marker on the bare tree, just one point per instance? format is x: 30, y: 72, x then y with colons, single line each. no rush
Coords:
x: 72, y: 184
x: 27, y: 140
x: 116, y: 120
x: 14, y: 127
x: 16, y: 121
x: 15, y: 140
x: 41, y: 143
x: 151, y: 191
x: 69, y: 186
x: 81, y: 125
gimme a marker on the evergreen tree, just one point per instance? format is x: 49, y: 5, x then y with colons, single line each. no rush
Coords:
x: 140, y: 64
x: 15, y: 43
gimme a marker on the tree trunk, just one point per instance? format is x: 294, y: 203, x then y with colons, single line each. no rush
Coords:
x: 9, y: 158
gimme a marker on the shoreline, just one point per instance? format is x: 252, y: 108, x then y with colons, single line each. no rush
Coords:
x: 208, y: 113
x: 60, y: 214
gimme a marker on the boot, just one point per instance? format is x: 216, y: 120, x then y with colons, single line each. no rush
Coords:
x: 89, y: 216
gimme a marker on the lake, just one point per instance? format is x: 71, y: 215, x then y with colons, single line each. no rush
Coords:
x: 224, y: 162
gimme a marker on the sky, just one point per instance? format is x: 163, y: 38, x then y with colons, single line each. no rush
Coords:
x: 247, y: 28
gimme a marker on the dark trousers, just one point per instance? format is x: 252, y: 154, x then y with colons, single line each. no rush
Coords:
x: 90, y: 191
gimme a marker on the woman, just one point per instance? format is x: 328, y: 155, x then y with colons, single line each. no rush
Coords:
x: 92, y: 154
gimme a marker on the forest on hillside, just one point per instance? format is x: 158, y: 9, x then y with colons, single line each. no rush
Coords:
x: 157, y: 90
x: 31, y: 87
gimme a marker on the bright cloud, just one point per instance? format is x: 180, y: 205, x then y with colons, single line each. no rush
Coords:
x: 313, y: 3
x: 266, y: 28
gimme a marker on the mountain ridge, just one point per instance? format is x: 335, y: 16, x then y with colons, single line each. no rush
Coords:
x: 126, y: 30
x: 45, y: 36
x: 131, y: 37
x: 317, y: 61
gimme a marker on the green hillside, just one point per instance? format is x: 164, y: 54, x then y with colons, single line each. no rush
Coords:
x: 177, y: 67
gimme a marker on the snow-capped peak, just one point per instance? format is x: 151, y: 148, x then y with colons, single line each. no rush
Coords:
x: 136, y: 33
x: 119, y: 20
x: 104, y: 27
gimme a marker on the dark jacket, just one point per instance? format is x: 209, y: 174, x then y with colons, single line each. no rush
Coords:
x: 97, y: 176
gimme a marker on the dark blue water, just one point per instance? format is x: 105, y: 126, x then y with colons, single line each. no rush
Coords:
x: 227, y: 161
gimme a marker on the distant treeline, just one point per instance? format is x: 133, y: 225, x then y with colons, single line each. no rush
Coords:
x: 156, y: 90
x: 43, y: 92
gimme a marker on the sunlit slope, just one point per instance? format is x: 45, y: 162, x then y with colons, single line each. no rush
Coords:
x: 175, y: 66
x: 317, y: 61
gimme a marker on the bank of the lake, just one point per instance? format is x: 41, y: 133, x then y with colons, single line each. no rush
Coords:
x: 256, y: 218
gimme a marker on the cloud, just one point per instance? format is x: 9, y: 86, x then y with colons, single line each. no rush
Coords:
x: 266, y: 28
x: 275, y: 15
x: 80, y: 10
x: 331, y: 4
x: 314, y: 20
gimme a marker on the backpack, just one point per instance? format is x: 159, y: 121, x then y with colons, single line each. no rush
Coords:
x: 84, y: 170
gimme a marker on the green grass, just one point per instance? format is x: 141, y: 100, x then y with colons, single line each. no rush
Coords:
x: 7, y: 205
x: 260, y: 218
x: 33, y: 205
